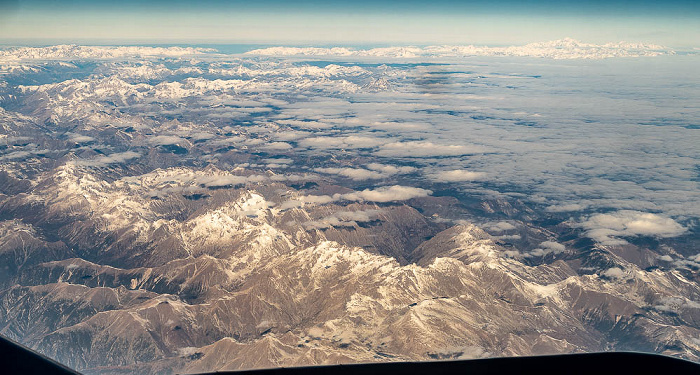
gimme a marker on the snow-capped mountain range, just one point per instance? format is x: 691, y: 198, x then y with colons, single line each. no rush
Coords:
x: 178, y: 210
x: 558, y: 49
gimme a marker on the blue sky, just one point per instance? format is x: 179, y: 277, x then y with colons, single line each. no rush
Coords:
x: 673, y: 23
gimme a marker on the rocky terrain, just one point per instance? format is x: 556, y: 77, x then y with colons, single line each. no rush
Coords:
x: 177, y: 210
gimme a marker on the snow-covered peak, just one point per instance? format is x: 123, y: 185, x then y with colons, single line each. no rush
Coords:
x: 465, y: 242
x: 252, y: 204
x: 71, y: 51
x: 379, y: 84
x: 566, y: 48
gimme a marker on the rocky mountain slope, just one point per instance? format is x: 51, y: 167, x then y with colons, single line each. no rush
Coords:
x: 176, y: 210
x: 234, y: 282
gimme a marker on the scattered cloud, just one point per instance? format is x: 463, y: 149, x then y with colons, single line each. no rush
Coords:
x: 566, y: 207
x: 691, y: 263
x: 79, y: 138
x: 356, y: 174
x: 343, y: 219
x: 613, y: 273
x: 390, y: 169
x: 201, y: 136
x: 545, y: 248
x: 420, y: 149
x: 15, y: 155
x: 456, y: 175
x: 341, y: 142
x: 382, y: 194
x: 374, y: 171
x: 116, y: 158
x: 569, y: 154
x: 507, y: 237
x: 675, y: 304
x: 500, y: 226
x: 608, y: 228
x: 387, y: 194
x: 165, y: 140
x: 308, y: 199
x: 277, y: 146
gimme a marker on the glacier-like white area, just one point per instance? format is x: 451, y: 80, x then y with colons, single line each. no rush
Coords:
x: 72, y: 51
x: 558, y: 49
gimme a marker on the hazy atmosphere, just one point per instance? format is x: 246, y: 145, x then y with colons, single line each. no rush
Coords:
x: 672, y: 23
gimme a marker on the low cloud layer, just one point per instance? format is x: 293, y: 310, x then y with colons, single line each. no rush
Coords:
x: 382, y: 194
x: 357, y: 174
x: 421, y: 149
x: 607, y: 229
x: 343, y: 219
x: 373, y: 171
x: 166, y: 140
x: 116, y: 158
x: 500, y: 226
x: 544, y: 249
x: 341, y: 142
x: 457, y: 175
x: 387, y: 194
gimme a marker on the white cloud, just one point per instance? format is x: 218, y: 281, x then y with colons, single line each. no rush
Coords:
x: 8, y: 140
x: 675, y: 304
x: 116, y: 158
x: 500, y: 226
x: 79, y: 138
x: 356, y: 174
x: 509, y: 237
x: 381, y: 195
x: 341, y: 142
x: 308, y: 199
x: 387, y: 194
x: 399, y: 126
x: 419, y: 149
x: 691, y: 263
x: 343, y: 219
x: 230, y: 141
x: 14, y: 155
x: 202, y: 136
x: 375, y: 171
x: 607, y: 228
x: 545, y: 248
x: 554, y: 246
x: 290, y: 135
x: 314, y: 125
x: 613, y: 273
x: 457, y: 175
x: 278, y: 160
x: 277, y: 146
x: 566, y: 207
x: 165, y: 140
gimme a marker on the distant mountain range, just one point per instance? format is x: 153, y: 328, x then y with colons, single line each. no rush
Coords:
x: 175, y: 210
